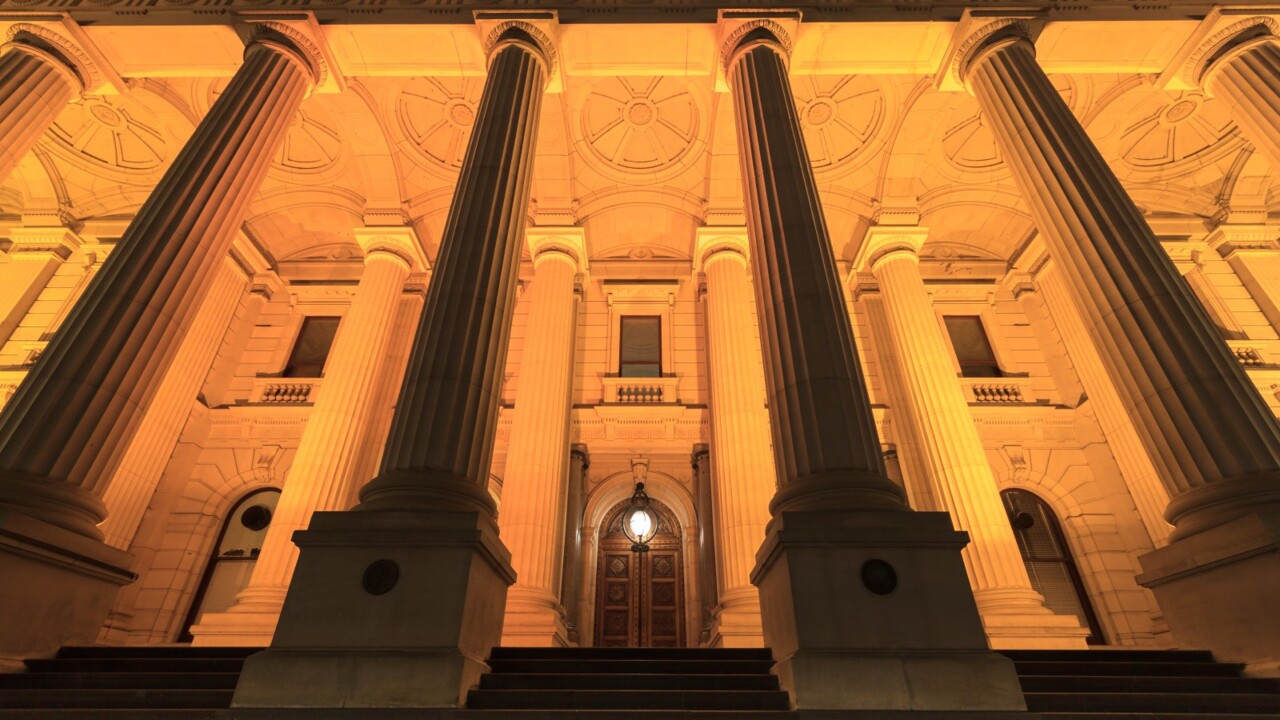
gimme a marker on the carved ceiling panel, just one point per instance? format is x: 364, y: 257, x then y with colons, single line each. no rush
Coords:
x: 111, y: 133
x: 842, y: 118
x: 312, y: 144
x: 1177, y: 133
x: 436, y: 115
x: 641, y: 126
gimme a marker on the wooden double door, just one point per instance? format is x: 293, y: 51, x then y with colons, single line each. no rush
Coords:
x: 640, y: 595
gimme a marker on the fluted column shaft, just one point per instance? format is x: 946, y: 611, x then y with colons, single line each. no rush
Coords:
x: 825, y: 445
x: 744, y: 473
x: 441, y: 440
x: 1143, y: 478
x: 136, y: 475
x: 534, y: 482
x: 35, y: 85
x: 949, y: 441
x: 101, y: 368
x: 322, y: 470
x: 1247, y: 77
x: 1184, y: 389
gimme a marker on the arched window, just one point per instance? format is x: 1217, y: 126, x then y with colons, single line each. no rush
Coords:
x: 1048, y: 559
x: 234, y: 556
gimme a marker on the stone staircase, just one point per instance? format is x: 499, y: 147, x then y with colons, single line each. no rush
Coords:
x: 1141, y: 685
x: 183, y: 683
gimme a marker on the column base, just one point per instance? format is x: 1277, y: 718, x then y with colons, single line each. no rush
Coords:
x: 1043, y: 631
x: 737, y: 627
x: 386, y: 609
x: 1217, y: 590
x: 530, y: 625
x: 872, y: 610
x: 59, y: 587
x: 235, y: 629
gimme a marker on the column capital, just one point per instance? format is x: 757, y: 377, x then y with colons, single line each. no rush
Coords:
x: 884, y: 241
x: 539, y: 36
x: 579, y: 452
x: 301, y: 42
x: 1231, y: 37
x: 563, y: 243
x: 42, y: 242
x: 400, y: 241
x: 741, y: 30
x: 720, y: 243
x: 55, y: 50
x: 975, y: 36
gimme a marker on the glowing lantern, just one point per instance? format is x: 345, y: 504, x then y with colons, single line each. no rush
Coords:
x: 639, y: 522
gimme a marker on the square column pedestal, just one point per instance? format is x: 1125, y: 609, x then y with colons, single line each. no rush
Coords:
x: 1218, y: 590
x: 57, y: 588
x: 386, y: 609
x: 871, y: 610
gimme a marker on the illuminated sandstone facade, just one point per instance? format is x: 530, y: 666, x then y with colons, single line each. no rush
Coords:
x: 516, y: 261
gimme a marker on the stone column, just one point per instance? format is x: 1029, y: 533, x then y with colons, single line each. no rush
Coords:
x: 1012, y: 611
x: 571, y: 575
x: 33, y: 258
x: 853, y: 585
x: 142, y: 461
x: 744, y: 477
x: 1180, y: 383
x: 36, y: 83
x: 535, y: 481
x: 101, y: 369
x: 1242, y: 66
x: 423, y: 541
x: 707, y: 566
x: 323, y: 467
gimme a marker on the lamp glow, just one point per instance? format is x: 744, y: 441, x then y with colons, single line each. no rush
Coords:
x: 639, y: 523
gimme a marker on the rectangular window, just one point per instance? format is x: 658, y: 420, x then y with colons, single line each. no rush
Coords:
x: 972, y: 347
x: 311, y: 350
x: 640, y: 348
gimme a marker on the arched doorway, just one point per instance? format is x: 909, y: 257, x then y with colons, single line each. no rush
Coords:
x: 234, y: 556
x: 1048, y: 559
x: 640, y: 599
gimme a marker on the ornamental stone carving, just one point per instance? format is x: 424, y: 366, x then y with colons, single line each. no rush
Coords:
x: 842, y: 117
x: 436, y: 115
x: 640, y: 125
x: 112, y: 133
x: 1178, y: 133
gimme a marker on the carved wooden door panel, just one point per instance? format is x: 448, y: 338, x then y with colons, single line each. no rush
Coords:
x: 640, y: 596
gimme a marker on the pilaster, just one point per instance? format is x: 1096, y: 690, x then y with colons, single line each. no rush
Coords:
x: 34, y: 255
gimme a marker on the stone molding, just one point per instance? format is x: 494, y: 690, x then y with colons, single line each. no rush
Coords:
x: 400, y: 241
x: 37, y: 39
x: 712, y: 242
x: 1224, y: 41
x: 566, y: 242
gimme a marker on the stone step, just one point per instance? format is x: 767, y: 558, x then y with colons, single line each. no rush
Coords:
x: 599, y: 653
x: 627, y: 699
x: 1112, y: 667
x: 650, y: 681
x: 167, y: 698
x: 119, y: 680
x: 1226, y: 703
x: 141, y: 665
x: 155, y: 651
x: 1110, y: 655
x: 100, y: 714
x: 1147, y: 684
x: 659, y: 667
x: 1155, y: 716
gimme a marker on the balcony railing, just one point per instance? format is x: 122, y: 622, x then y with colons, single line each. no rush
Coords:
x: 641, y: 391
x: 279, y: 391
